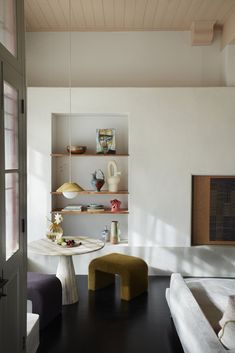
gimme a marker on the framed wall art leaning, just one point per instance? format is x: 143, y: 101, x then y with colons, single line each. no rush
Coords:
x: 105, y: 141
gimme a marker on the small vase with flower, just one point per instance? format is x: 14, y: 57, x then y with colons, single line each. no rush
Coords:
x: 55, y: 231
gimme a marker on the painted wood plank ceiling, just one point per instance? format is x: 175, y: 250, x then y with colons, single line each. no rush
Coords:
x: 124, y: 15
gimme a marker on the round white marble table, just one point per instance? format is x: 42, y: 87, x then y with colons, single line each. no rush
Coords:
x: 65, y: 270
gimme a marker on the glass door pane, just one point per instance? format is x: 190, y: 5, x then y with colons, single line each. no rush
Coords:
x: 8, y: 25
x: 11, y: 142
x: 12, y: 213
x: 11, y: 126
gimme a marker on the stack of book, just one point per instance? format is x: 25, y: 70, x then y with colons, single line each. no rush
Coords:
x: 94, y: 207
x: 77, y: 208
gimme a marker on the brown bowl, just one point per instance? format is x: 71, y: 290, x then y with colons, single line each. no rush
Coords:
x: 77, y: 149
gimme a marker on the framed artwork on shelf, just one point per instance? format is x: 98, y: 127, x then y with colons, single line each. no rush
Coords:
x: 105, y: 141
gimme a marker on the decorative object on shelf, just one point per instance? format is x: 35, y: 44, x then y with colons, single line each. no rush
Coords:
x: 70, y: 189
x: 55, y: 231
x: 105, y: 141
x: 105, y: 234
x: 113, y: 176
x: 94, y: 207
x: 77, y: 149
x: 115, y: 205
x: 77, y: 208
x: 114, y: 233
x: 97, y: 180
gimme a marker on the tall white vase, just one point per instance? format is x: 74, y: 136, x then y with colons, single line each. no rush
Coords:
x: 114, y: 233
x: 113, y: 176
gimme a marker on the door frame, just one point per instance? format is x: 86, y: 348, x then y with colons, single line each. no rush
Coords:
x: 12, y: 69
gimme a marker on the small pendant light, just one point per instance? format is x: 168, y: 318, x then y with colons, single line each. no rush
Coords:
x: 70, y: 189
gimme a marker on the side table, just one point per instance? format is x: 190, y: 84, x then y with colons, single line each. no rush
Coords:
x: 65, y: 269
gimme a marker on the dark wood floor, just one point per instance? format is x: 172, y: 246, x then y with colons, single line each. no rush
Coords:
x: 102, y: 323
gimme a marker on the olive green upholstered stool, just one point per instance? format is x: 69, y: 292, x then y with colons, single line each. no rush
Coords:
x: 132, y: 270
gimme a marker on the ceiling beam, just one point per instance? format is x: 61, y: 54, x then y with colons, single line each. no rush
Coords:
x: 228, y: 36
x: 202, y: 32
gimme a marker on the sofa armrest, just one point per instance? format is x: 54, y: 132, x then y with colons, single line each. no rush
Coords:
x: 193, y: 328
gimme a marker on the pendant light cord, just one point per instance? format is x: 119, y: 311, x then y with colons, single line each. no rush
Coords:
x: 70, y: 95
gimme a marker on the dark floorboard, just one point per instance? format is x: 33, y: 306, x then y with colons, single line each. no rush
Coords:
x: 101, y: 323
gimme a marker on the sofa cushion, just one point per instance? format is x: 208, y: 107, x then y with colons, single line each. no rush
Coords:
x: 227, y: 333
x: 229, y: 314
x: 212, y: 296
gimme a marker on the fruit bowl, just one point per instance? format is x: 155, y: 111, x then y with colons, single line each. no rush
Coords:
x: 68, y: 243
x: 76, y: 149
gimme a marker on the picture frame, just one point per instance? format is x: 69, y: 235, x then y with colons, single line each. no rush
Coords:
x: 106, y: 141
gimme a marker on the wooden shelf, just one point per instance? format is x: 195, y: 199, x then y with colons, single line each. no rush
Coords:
x: 107, y: 211
x: 89, y: 155
x: 93, y: 192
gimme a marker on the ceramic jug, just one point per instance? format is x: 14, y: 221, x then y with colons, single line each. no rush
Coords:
x: 114, y: 233
x: 113, y: 176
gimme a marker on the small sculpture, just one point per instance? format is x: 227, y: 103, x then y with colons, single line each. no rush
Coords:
x: 97, y: 182
x: 113, y: 176
x: 115, y: 205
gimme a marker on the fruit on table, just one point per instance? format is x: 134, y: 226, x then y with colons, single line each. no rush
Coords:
x: 67, y: 242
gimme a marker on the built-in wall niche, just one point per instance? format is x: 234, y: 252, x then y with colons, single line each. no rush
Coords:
x: 83, y: 132
x: 213, y: 210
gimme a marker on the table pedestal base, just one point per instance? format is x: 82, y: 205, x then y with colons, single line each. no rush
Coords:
x: 66, y: 274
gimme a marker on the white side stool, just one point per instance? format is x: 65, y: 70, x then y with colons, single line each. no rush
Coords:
x: 32, y: 341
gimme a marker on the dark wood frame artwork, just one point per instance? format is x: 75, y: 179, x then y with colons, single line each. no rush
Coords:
x: 201, y: 211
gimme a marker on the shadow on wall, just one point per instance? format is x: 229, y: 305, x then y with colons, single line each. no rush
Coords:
x: 192, y: 261
x: 149, y: 230
x: 37, y: 190
x: 167, y: 249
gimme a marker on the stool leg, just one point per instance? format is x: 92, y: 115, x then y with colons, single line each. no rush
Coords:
x: 66, y: 274
x: 98, y: 279
x: 125, y: 287
x: 133, y: 284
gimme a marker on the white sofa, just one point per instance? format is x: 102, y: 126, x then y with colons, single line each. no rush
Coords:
x: 196, y: 306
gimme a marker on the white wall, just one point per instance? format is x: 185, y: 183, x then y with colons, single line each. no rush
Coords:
x: 174, y: 133
x: 228, y: 59
x: 122, y: 59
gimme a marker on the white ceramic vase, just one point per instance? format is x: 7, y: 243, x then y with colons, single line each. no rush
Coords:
x: 113, y: 176
x: 114, y: 233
